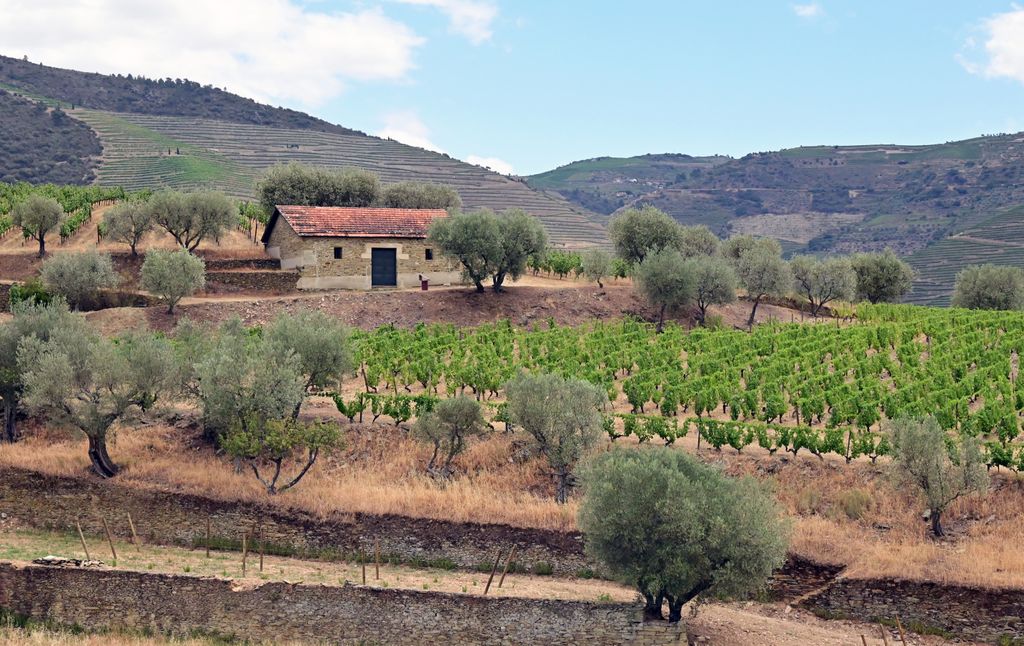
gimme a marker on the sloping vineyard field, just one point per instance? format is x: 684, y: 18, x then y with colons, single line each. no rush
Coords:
x: 824, y: 389
x: 77, y: 202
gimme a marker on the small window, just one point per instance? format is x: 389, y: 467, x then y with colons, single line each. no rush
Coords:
x: 429, y: 254
x: 337, y: 253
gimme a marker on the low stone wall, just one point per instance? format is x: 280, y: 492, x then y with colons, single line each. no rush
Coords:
x: 53, y: 502
x: 274, y: 281
x: 255, y: 264
x: 180, y: 605
x: 976, y: 614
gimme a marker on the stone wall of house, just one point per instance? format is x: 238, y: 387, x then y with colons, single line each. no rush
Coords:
x: 975, y: 614
x: 314, y: 258
x: 182, y: 605
x: 54, y: 502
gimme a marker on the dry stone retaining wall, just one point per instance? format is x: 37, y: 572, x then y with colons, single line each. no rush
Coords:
x: 977, y: 614
x: 56, y: 502
x: 180, y: 605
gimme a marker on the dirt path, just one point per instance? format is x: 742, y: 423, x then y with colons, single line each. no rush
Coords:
x: 774, y: 625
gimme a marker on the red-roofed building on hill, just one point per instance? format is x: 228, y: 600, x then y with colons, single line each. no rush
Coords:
x: 358, y: 247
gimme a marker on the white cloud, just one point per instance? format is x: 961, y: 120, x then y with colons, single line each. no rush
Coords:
x: 270, y: 50
x: 493, y: 163
x: 407, y: 127
x: 809, y: 10
x: 470, y: 18
x: 1003, y: 42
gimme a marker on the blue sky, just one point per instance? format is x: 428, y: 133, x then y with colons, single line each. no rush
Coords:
x: 530, y: 85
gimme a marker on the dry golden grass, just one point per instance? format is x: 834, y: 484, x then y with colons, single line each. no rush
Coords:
x: 849, y: 514
x: 26, y: 545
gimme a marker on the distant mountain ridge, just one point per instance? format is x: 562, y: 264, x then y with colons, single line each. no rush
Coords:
x: 177, y: 133
x: 826, y: 199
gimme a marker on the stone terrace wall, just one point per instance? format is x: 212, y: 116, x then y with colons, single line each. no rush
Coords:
x: 54, y: 502
x: 275, y: 281
x: 976, y: 614
x: 172, y: 604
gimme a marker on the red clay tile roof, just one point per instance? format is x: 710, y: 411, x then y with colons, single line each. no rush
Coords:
x: 358, y: 222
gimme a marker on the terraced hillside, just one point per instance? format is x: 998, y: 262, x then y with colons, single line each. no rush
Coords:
x: 998, y: 240
x: 142, y: 151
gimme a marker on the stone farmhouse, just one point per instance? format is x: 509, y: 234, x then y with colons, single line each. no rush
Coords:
x: 358, y: 247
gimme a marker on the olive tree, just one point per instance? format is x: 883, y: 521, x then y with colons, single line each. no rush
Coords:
x: 172, y: 275
x: 192, y: 217
x: 128, y: 222
x: 989, y: 287
x: 447, y: 428
x: 242, y: 381
x: 677, y: 528
x: 267, y: 445
x: 714, y: 283
x: 563, y: 416
x: 638, y: 232
x: 31, y: 320
x: 301, y: 185
x: 881, y: 277
x: 697, y: 241
x: 823, y: 281
x: 79, y: 276
x: 943, y: 468
x: 473, y: 238
x: 83, y: 380
x: 666, y: 281
x: 521, y: 235
x: 37, y: 216
x: 420, y: 195
x: 760, y: 269
x: 322, y: 345
x: 597, y: 264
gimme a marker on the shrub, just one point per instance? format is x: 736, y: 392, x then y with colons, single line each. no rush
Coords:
x: 78, y: 277
x: 677, y: 528
x: 447, y: 428
x: 32, y: 290
x: 172, y: 275
x: 989, y: 287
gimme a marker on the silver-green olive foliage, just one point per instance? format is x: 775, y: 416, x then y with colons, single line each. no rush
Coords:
x: 943, y: 468
x: 597, y: 264
x: 666, y: 281
x: 989, y: 287
x: 173, y: 275
x: 38, y: 216
x: 823, y: 281
x: 301, y: 185
x: 446, y: 429
x: 191, y: 218
x: 79, y: 276
x: 128, y: 222
x: 714, y: 283
x: 635, y: 233
x: 881, y: 277
x: 420, y: 195
x: 677, y: 528
x: 759, y: 267
x: 83, y: 380
x: 563, y: 416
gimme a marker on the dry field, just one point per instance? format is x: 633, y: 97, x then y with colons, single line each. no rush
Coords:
x: 848, y: 514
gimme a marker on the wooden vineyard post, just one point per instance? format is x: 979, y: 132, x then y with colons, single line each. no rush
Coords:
x: 135, y: 536
x: 81, y: 537
x: 110, y: 539
x: 863, y: 640
x: 899, y: 627
x: 262, y: 546
x: 245, y: 550
x: 497, y: 559
x: 511, y: 555
x: 362, y: 559
x: 885, y: 637
x: 376, y: 559
x: 207, y: 535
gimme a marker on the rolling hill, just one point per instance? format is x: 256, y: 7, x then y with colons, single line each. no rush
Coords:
x: 943, y: 206
x: 175, y: 133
